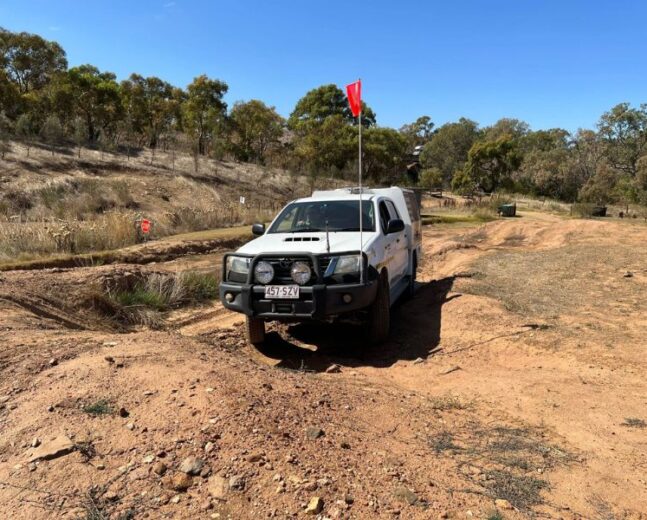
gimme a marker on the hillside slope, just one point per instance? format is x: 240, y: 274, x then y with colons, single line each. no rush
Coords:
x: 63, y: 203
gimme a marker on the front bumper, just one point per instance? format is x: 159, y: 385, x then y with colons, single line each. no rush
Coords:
x: 316, y: 302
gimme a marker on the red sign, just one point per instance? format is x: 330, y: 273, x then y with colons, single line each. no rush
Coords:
x: 145, y: 225
x: 354, y: 92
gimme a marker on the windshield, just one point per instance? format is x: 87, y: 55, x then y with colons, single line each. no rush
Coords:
x: 336, y: 215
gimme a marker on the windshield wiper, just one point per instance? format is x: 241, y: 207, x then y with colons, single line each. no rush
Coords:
x: 306, y: 230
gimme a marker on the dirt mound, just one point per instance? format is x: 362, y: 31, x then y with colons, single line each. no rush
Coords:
x: 533, y: 234
x: 159, y: 251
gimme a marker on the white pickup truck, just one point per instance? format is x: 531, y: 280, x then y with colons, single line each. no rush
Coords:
x: 309, y: 264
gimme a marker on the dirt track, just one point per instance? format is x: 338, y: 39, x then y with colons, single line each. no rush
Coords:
x: 514, y: 374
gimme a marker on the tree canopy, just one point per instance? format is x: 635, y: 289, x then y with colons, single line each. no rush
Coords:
x: 321, y: 103
x: 256, y: 127
x: 41, y: 99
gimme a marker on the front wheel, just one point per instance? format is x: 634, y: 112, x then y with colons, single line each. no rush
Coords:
x: 255, y: 331
x: 379, y: 313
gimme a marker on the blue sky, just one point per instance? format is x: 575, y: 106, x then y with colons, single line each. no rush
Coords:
x: 548, y: 62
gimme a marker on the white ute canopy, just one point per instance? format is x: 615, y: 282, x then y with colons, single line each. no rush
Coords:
x: 404, y: 199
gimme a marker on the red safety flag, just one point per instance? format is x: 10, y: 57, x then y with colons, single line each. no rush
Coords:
x: 145, y: 225
x: 354, y: 92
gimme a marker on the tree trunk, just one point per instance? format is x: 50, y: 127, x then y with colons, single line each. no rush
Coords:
x: 91, y: 130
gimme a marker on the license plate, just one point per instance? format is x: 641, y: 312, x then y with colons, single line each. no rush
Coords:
x: 282, y: 292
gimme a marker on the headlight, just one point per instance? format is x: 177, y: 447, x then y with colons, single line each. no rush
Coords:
x: 263, y: 272
x: 238, y: 264
x: 300, y: 273
x: 347, y: 264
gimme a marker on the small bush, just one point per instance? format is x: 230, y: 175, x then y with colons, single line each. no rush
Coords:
x: 431, y: 178
x: 634, y: 422
x: 201, y: 286
x: 142, y: 297
x: 160, y: 292
x: 583, y: 209
x: 101, y: 407
x: 449, y: 402
x: 17, y: 201
x: 521, y: 491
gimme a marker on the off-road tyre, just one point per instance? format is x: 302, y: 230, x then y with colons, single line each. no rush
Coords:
x: 255, y: 331
x: 379, y: 313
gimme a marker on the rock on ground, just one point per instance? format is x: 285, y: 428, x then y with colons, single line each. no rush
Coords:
x: 61, y: 445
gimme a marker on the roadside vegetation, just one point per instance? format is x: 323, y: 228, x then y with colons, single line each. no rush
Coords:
x: 84, y: 155
x: 145, y: 302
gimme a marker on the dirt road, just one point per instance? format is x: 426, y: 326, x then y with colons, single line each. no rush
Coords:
x: 512, y: 385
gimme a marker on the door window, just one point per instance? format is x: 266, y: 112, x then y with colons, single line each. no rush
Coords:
x: 392, y: 211
x: 384, y: 216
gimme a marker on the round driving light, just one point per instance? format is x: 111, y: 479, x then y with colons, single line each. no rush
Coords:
x: 300, y: 273
x: 347, y: 298
x: 229, y: 297
x: 263, y: 272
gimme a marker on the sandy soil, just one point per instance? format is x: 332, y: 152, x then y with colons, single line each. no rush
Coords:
x: 513, y: 383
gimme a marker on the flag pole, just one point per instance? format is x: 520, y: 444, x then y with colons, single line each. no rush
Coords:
x: 361, y: 242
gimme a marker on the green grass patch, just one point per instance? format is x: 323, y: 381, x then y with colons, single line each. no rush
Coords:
x: 101, y: 407
x: 165, y: 291
x: 146, y: 301
x: 469, y: 218
x: 142, y: 297
x: 201, y: 286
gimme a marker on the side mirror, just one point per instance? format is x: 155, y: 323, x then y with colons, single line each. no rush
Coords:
x: 394, y: 226
x: 258, y: 229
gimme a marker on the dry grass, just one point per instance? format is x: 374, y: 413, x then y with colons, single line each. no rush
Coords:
x: 60, y: 204
x: 522, y: 491
x: 634, y: 422
x: 458, y: 210
x: 500, y: 460
x: 442, y: 441
x: 559, y: 281
x: 450, y: 402
x: 27, y: 240
x: 21, y: 241
x: 146, y: 301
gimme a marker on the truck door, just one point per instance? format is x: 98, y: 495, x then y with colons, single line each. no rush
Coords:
x: 388, y: 242
x: 400, y: 245
x: 392, y: 243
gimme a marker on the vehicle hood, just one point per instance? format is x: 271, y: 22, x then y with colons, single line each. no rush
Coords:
x: 315, y: 243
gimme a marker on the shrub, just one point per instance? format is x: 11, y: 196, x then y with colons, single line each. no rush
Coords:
x: 582, y: 209
x: 159, y: 292
x: 431, y: 178
x: 201, y: 286
x: 101, y: 407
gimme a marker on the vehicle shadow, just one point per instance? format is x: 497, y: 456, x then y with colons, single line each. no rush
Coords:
x: 415, y: 333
